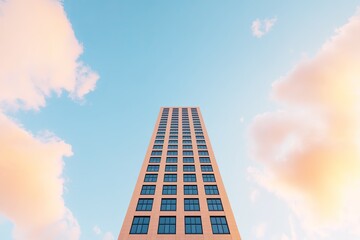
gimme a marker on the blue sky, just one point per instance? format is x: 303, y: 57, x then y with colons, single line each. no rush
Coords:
x: 150, y: 54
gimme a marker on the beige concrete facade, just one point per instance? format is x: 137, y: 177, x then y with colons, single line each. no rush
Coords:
x: 153, y: 227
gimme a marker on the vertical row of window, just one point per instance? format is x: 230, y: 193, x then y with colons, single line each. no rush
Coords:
x: 167, y: 225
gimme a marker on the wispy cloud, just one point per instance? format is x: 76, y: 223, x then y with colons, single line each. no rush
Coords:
x: 39, y: 57
x: 310, y: 147
x: 261, y: 27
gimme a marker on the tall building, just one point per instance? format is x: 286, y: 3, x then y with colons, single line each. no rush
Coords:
x: 179, y: 193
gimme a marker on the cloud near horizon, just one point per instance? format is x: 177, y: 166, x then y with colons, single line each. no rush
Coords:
x: 261, y: 27
x: 39, y: 58
x: 310, y: 147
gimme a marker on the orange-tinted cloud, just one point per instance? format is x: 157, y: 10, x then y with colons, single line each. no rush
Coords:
x: 39, y: 54
x: 39, y: 57
x: 310, y: 148
x: 31, y: 186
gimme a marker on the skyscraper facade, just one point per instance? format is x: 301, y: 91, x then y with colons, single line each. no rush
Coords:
x: 179, y: 193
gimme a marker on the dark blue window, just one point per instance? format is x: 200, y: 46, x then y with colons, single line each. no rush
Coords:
x: 188, y: 159
x: 170, y: 178
x: 169, y: 190
x: 206, y: 168
x: 214, y: 204
x: 145, y: 204
x: 219, y: 225
x: 153, y: 168
x: 167, y: 225
x: 190, y: 190
x: 208, y: 177
x: 189, y: 178
x: 150, y: 178
x: 189, y: 168
x: 193, y: 225
x: 191, y: 204
x: 168, y: 204
x: 148, y: 190
x: 211, y: 190
x: 140, y: 225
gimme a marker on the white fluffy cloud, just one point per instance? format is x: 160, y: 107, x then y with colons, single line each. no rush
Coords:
x: 39, y: 57
x: 310, y: 148
x: 261, y: 27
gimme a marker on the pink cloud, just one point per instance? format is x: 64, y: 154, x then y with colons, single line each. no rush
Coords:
x: 39, y: 57
x: 39, y: 54
x: 31, y: 186
x: 310, y: 147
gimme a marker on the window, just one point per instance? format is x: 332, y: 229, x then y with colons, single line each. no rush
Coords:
x: 186, y: 137
x: 150, y: 178
x: 172, y: 153
x: 189, y: 178
x: 171, y: 168
x: 189, y: 168
x: 208, y: 178
x: 161, y: 133
x: 173, y: 137
x: 219, y: 225
x: 203, y: 153
x: 167, y: 225
x: 140, y: 225
x: 173, y: 141
x: 168, y: 204
x: 193, y: 225
x: 200, y: 137
x: 186, y: 133
x: 170, y: 178
x: 186, y: 141
x: 174, y: 132
x: 211, y: 190
x: 188, y: 153
x: 188, y: 160
x: 148, y: 190
x: 171, y: 159
x: 159, y: 141
x: 158, y: 147
x: 145, y: 204
x: 201, y: 146
x: 204, y: 159
x: 160, y: 137
x: 191, y: 204
x: 172, y: 147
x: 206, y: 168
x: 155, y: 159
x: 198, y: 132
x: 156, y: 153
x: 153, y: 168
x: 214, y: 204
x: 190, y: 190
x: 200, y: 141
x: 169, y: 190
x: 187, y: 147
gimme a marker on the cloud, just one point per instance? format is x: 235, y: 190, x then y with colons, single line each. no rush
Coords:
x: 261, y: 27
x: 108, y: 236
x: 309, y: 148
x: 254, y: 195
x: 31, y: 185
x: 259, y: 230
x: 97, y: 230
x: 39, y: 57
